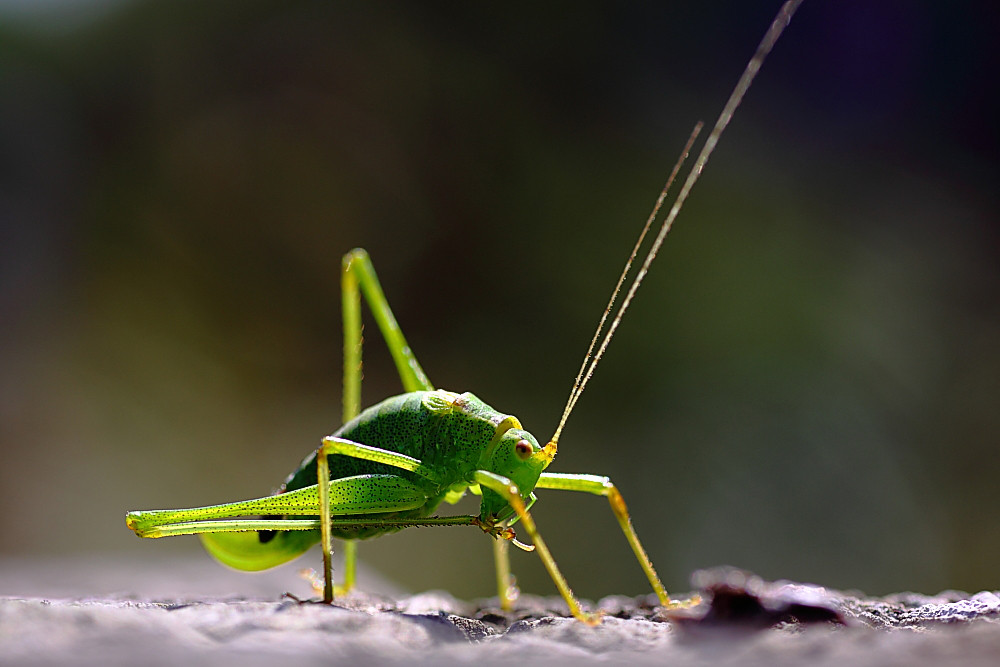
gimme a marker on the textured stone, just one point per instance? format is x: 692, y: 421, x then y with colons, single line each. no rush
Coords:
x: 741, y: 620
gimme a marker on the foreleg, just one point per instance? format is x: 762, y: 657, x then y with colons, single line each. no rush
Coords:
x: 602, y: 486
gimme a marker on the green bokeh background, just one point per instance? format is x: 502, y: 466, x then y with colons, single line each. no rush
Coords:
x: 807, y: 384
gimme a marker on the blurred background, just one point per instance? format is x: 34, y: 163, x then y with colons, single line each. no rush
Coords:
x: 806, y: 386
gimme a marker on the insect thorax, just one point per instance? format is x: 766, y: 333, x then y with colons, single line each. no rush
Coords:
x: 448, y: 431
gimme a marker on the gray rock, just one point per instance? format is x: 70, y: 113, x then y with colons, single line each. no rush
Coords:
x: 741, y: 620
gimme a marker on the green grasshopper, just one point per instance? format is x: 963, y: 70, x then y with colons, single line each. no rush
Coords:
x: 390, y: 466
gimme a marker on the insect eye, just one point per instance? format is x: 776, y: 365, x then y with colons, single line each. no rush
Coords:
x: 523, y: 449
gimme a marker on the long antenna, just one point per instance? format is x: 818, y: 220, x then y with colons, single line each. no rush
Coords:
x: 581, y: 376
x: 590, y: 363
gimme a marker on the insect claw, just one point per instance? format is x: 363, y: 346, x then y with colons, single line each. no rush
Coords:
x: 502, y: 533
x: 509, y: 535
x: 521, y: 545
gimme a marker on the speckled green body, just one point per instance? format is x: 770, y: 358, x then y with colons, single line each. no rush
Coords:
x: 392, y: 465
x: 452, y: 437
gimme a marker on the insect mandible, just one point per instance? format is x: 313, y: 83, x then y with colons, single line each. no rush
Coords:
x: 390, y: 466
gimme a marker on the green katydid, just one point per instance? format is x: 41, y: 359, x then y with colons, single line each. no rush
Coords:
x: 390, y: 466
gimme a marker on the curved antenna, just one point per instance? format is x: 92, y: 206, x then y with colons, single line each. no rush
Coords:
x: 590, y: 363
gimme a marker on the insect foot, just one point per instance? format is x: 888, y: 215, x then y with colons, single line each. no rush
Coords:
x: 495, y: 530
x: 502, y: 533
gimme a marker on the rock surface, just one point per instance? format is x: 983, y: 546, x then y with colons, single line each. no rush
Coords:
x: 741, y: 620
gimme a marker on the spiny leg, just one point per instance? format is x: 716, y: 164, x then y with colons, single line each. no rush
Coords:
x: 326, y: 530
x: 360, y: 494
x: 509, y: 491
x: 396, y: 494
x: 334, y: 445
x: 235, y: 541
x: 357, y: 278
x: 602, y: 486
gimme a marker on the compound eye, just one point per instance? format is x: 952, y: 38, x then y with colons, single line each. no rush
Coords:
x: 523, y: 449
